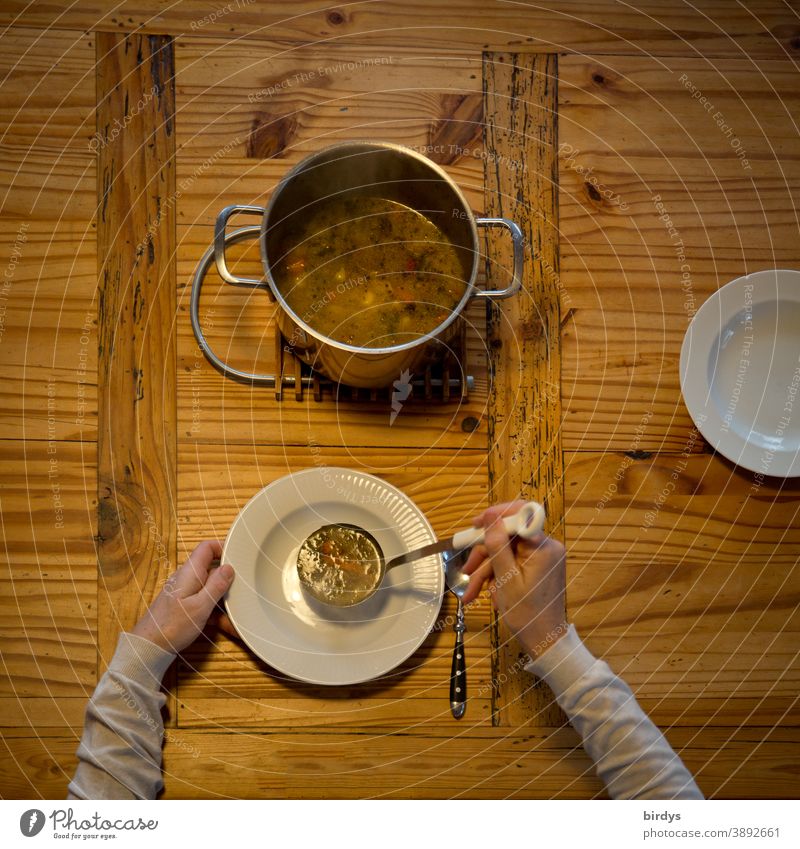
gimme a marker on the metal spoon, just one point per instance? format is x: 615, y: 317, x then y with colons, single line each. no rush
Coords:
x: 457, y: 582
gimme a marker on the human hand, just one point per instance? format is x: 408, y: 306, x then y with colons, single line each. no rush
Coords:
x: 527, y: 580
x: 180, y: 611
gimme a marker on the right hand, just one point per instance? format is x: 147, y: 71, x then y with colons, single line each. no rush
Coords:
x: 527, y: 580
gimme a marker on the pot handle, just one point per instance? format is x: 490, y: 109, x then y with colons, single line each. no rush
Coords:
x: 516, y: 275
x: 212, y: 254
x: 220, y: 242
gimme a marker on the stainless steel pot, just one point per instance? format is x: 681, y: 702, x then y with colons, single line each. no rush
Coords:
x: 370, y: 169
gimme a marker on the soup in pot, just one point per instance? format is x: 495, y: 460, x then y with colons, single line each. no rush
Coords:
x: 370, y: 272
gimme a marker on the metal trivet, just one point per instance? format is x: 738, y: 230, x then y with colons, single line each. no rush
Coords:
x: 440, y: 381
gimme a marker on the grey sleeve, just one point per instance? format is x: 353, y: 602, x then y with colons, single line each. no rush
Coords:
x: 631, y: 755
x: 119, y: 756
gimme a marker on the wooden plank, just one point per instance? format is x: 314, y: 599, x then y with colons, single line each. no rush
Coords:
x: 48, y: 97
x: 644, y: 162
x: 250, y: 80
x: 722, y: 214
x: 212, y: 408
x: 47, y: 253
x: 626, y: 309
x: 753, y: 764
x: 48, y: 354
x: 214, y: 483
x: 48, y: 331
x: 728, y: 711
x: 34, y: 183
x: 47, y: 170
x: 762, y: 28
x: 523, y: 337
x: 404, y: 711
x: 651, y: 97
x: 136, y: 379
x: 250, y: 111
x: 380, y: 765
x: 220, y: 668
x: 681, y: 575
x: 48, y: 592
x: 37, y: 714
x: 631, y: 129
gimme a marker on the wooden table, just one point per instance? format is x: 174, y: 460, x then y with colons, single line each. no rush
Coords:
x: 124, y: 133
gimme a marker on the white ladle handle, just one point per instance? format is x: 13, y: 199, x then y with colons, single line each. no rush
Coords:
x: 526, y: 523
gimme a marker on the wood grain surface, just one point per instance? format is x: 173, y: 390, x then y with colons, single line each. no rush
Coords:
x: 48, y: 592
x: 726, y: 170
x: 48, y: 350
x: 751, y: 763
x: 47, y: 170
x: 689, y: 592
x: 247, y: 112
x: 48, y: 330
x: 625, y: 312
x: 524, y: 332
x: 715, y: 146
x: 762, y: 28
x: 136, y: 309
x: 48, y: 362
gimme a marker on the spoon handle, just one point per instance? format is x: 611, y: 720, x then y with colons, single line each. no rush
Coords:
x: 526, y: 523
x: 458, y: 671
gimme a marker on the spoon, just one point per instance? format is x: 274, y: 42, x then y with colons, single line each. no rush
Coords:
x: 457, y: 582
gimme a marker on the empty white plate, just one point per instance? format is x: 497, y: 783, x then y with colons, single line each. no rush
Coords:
x: 306, y: 639
x: 740, y: 371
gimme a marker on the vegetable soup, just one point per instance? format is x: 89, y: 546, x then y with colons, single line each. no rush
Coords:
x: 340, y: 564
x: 370, y: 272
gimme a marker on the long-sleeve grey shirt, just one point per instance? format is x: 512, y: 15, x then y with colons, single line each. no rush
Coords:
x: 630, y: 754
x: 120, y: 753
x: 119, y: 756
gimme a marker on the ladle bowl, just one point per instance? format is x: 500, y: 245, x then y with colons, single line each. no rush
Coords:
x: 341, y: 565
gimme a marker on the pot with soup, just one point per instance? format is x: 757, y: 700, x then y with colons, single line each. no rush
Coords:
x: 371, y: 253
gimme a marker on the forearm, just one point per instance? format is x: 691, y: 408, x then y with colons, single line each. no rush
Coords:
x: 632, y: 757
x: 120, y: 751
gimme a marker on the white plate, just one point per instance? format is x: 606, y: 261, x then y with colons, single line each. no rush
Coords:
x: 740, y: 371
x: 294, y: 633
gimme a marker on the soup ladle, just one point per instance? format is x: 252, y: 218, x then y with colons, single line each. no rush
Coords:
x: 343, y: 565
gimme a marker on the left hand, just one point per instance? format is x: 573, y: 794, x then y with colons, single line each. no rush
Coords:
x: 180, y: 611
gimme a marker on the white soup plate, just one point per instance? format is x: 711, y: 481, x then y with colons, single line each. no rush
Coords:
x: 302, y: 637
x: 740, y: 371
